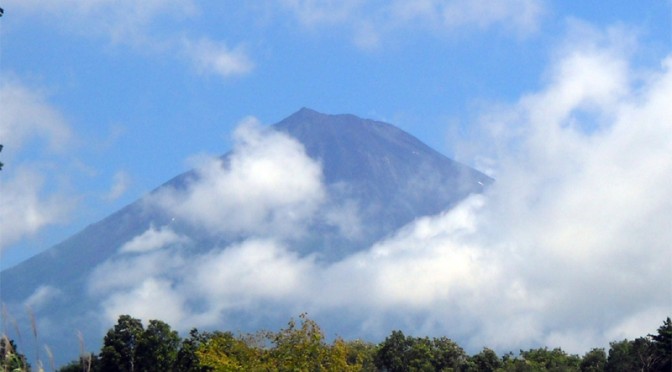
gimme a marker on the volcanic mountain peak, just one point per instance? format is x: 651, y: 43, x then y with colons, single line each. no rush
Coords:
x: 376, y: 178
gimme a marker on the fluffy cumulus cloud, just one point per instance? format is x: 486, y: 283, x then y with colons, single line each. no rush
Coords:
x: 267, y: 186
x: 29, y: 124
x: 570, y: 247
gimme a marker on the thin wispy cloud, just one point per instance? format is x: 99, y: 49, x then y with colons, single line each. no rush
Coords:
x: 142, y: 27
x: 210, y: 57
x: 122, y: 22
x: 372, y: 23
x: 153, y: 239
x: 120, y: 184
x: 27, y: 205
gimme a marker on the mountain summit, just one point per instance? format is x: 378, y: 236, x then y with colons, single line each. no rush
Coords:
x: 315, y: 185
x: 395, y: 175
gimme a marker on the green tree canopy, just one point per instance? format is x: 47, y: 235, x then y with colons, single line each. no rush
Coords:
x: 157, y: 348
x: 120, y: 345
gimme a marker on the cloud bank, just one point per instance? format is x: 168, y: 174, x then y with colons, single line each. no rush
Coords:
x: 570, y: 247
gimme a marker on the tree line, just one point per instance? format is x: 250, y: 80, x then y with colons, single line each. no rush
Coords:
x: 301, y: 346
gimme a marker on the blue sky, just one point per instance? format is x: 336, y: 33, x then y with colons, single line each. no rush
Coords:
x: 102, y: 101
x: 135, y: 89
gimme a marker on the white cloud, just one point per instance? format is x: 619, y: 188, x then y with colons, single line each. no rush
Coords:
x: 139, y: 24
x: 311, y: 12
x: 27, y: 205
x: 105, y: 278
x: 242, y: 276
x: 521, y: 15
x: 26, y: 116
x: 210, y: 57
x: 120, y: 185
x: 150, y: 299
x: 369, y: 21
x: 24, y: 207
x: 125, y: 21
x: 268, y: 186
x: 153, y: 239
x: 42, y: 296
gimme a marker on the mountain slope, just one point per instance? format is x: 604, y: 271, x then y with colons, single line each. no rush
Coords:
x: 374, y: 175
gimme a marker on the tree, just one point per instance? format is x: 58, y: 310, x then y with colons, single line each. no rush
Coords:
x: 187, y: 359
x: 551, y: 360
x: 594, y: 361
x: 157, y: 348
x: 621, y: 357
x: 120, y: 345
x: 662, y: 343
x: 637, y: 355
x: 407, y: 353
x: 447, y: 355
x: 485, y: 361
x: 419, y: 355
x: 222, y: 351
x: 300, y: 348
x: 392, y: 353
x: 354, y: 355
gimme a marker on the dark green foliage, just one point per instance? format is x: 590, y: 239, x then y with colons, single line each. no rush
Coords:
x: 541, y: 359
x: 551, y: 360
x: 157, y: 348
x: 392, y: 354
x: 621, y: 357
x: 594, y: 361
x: 485, y: 361
x: 128, y: 347
x: 187, y: 360
x: 651, y: 353
x: 120, y: 345
x: 447, y: 355
x: 400, y: 353
x: 663, y: 346
x: 637, y: 355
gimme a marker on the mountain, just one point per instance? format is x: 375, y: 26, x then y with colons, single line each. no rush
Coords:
x: 374, y: 177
